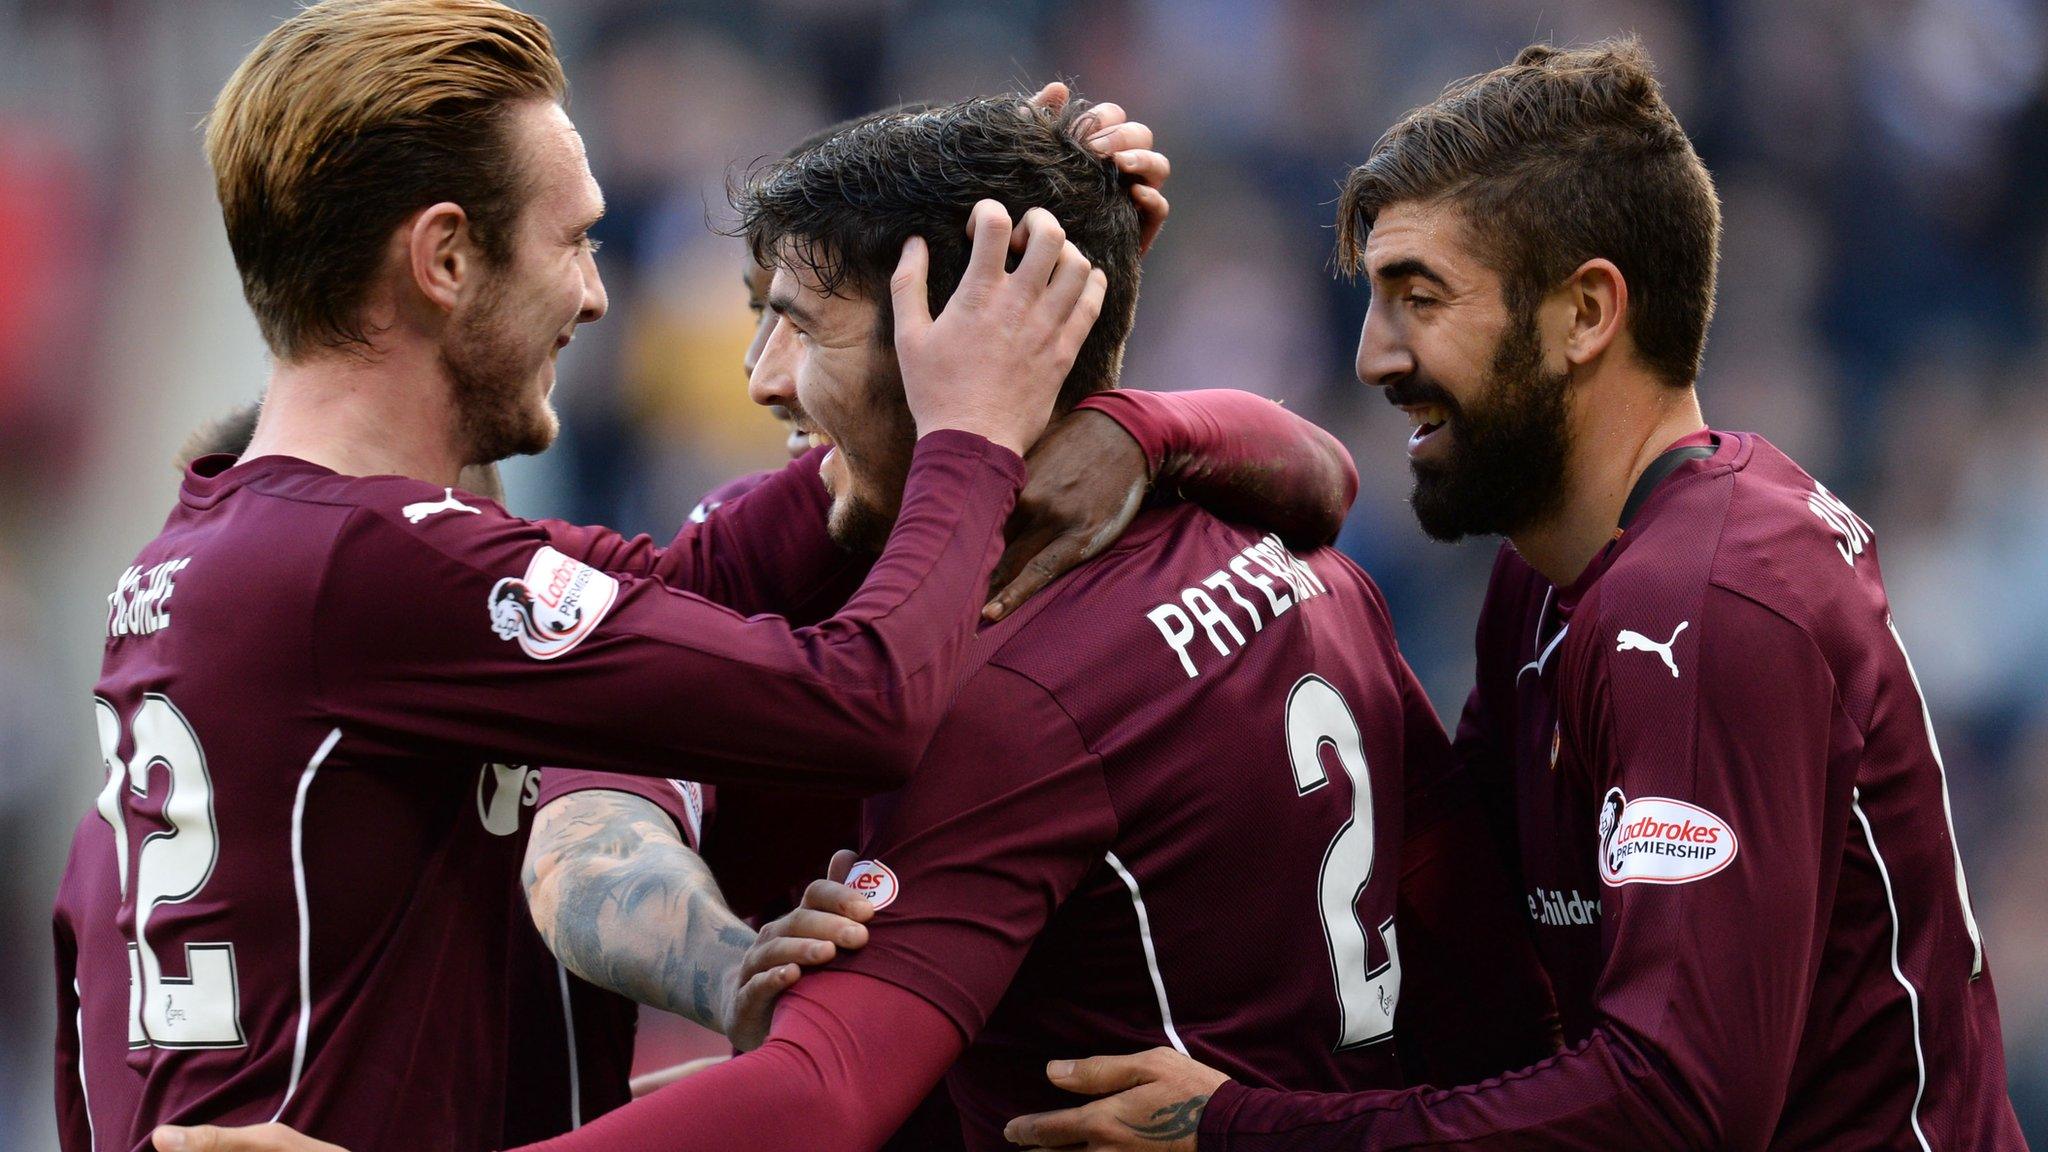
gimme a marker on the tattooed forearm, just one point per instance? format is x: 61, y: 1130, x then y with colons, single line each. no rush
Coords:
x: 1174, y: 1122
x: 625, y: 904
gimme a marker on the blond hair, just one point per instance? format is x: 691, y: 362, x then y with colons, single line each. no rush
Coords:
x: 349, y: 117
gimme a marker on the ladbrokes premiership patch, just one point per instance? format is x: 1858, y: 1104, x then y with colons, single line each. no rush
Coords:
x: 554, y: 606
x: 872, y: 879
x: 1654, y: 840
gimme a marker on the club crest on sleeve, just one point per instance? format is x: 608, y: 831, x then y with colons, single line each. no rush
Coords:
x: 872, y: 879
x: 554, y: 606
x: 1655, y: 840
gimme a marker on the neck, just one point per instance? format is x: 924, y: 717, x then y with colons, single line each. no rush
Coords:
x: 1623, y: 425
x: 386, y: 415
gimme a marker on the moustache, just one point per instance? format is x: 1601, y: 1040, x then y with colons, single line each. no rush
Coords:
x: 1414, y: 391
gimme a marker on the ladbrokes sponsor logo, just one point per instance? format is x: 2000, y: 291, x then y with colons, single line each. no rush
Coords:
x: 554, y: 606
x: 1654, y: 840
x: 872, y: 879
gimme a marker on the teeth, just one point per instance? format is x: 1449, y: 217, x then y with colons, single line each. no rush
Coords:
x: 1425, y: 415
x: 819, y: 439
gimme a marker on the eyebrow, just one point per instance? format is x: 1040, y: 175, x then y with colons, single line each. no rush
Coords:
x: 786, y: 305
x: 1410, y: 267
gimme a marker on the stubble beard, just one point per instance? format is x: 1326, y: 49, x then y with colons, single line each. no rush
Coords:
x: 1506, y: 469
x: 496, y: 416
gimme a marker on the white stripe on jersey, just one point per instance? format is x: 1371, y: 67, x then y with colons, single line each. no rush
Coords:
x: 1947, y: 810
x: 92, y: 1134
x: 569, y: 1030
x: 1151, y: 955
x: 1912, y: 994
x: 305, y: 918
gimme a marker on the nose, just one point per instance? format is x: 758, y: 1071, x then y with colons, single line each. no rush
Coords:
x: 595, y: 302
x: 771, y: 379
x: 1383, y: 356
x: 763, y: 328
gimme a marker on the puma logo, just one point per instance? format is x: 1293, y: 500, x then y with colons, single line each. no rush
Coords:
x: 425, y: 508
x: 1632, y: 641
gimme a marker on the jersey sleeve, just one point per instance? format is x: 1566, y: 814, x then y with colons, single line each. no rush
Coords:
x: 74, y: 1126
x: 979, y: 854
x: 1713, y: 939
x: 847, y: 1061
x: 681, y: 800
x: 1241, y: 456
x: 767, y: 549
x: 477, y: 632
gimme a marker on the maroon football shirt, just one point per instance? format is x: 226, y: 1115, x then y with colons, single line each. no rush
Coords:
x: 1733, y: 827
x: 293, y: 896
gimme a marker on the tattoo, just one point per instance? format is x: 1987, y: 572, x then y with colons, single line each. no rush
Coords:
x: 625, y: 904
x: 1174, y: 1122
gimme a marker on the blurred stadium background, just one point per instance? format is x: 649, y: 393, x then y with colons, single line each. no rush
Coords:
x: 1883, y: 317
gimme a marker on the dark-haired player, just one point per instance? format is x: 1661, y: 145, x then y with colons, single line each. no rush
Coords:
x: 1693, y: 709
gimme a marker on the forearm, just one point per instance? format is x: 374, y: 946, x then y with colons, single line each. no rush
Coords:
x: 850, y: 1058
x: 625, y: 904
x: 1241, y: 456
x: 1605, y: 1093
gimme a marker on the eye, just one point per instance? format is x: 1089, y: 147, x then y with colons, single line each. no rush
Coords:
x: 1417, y: 300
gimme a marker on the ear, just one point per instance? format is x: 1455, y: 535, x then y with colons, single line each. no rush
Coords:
x: 439, y: 254
x: 1598, y: 300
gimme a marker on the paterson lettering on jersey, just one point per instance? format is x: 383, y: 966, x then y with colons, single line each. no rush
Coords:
x: 1654, y: 840
x: 1277, y: 577
x: 141, y: 601
x: 1852, y: 534
x: 558, y: 602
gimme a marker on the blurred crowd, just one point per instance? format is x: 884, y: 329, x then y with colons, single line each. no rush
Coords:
x: 1883, y: 317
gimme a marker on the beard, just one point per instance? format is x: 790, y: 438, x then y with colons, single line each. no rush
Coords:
x: 1506, y: 465
x: 491, y: 379
x: 858, y: 525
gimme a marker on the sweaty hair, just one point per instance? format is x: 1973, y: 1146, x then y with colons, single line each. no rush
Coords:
x: 349, y: 117
x: 842, y: 208
x: 1558, y: 158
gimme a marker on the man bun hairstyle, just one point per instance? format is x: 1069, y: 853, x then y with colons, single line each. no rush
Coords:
x: 1563, y: 156
x: 842, y: 208
x: 349, y: 117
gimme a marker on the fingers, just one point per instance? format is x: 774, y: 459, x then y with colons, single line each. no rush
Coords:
x: 1106, y: 116
x: 1085, y: 311
x: 1152, y: 209
x: 1044, y: 244
x: 907, y: 296
x: 1124, y: 137
x: 809, y: 924
x: 260, y: 1138
x: 988, y: 228
x: 842, y: 863
x: 1150, y: 169
x: 1100, y: 1075
x: 1048, y: 564
x: 1053, y: 97
x: 1065, y: 1128
x: 833, y: 897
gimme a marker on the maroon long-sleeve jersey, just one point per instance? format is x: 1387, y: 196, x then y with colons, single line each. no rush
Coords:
x: 1734, y: 832
x: 1167, y: 808
x: 292, y: 897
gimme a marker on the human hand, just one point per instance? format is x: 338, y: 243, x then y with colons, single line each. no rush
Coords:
x: 1088, y: 481
x: 257, y: 1138
x: 1115, y: 135
x: 1158, y: 1106
x: 993, y: 360
x: 832, y: 916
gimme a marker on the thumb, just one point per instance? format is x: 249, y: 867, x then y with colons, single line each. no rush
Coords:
x: 907, y: 289
x: 842, y: 863
x: 1099, y: 1075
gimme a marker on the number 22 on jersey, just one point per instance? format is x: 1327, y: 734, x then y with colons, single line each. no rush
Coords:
x: 201, y: 1009
x: 1317, y: 716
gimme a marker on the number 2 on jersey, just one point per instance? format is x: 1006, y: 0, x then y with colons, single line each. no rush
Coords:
x: 201, y: 1009
x: 1317, y: 716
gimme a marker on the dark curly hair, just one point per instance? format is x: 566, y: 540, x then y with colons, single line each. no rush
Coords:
x: 842, y: 208
x: 1555, y: 159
